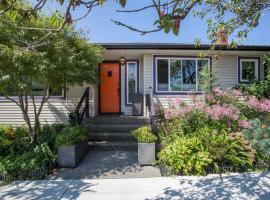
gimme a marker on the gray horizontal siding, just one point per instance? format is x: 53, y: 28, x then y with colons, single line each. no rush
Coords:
x: 56, y: 110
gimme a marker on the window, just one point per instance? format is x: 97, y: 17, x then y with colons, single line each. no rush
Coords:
x: 132, y: 77
x: 179, y: 74
x: 248, y: 69
x: 38, y: 90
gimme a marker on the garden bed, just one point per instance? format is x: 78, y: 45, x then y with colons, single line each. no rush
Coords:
x: 216, y: 134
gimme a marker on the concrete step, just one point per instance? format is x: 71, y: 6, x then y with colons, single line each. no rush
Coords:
x: 118, y: 120
x: 110, y: 136
x: 113, y: 146
x: 117, y: 128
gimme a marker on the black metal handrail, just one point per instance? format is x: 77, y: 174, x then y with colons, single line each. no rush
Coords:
x: 80, y: 114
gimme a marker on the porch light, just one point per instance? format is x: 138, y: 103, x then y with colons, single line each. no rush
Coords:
x: 122, y: 60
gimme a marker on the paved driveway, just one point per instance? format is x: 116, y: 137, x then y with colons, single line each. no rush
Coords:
x: 236, y: 186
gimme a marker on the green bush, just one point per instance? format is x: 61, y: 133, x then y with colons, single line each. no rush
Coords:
x: 194, y: 153
x: 185, y: 156
x: 144, y: 135
x: 40, y: 157
x: 193, y: 121
x: 170, y: 130
x: 19, y: 159
x: 71, y: 135
x: 13, y: 140
x: 229, y: 148
x: 259, y: 137
x: 48, y: 134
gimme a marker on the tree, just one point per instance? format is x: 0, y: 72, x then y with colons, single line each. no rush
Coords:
x: 234, y: 16
x: 64, y: 60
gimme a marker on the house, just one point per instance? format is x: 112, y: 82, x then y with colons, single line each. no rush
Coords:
x: 164, y: 69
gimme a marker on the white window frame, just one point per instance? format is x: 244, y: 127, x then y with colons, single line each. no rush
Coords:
x: 136, y: 80
x: 256, y: 61
x: 169, y: 70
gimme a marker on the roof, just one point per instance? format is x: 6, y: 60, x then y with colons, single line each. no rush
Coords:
x: 178, y: 46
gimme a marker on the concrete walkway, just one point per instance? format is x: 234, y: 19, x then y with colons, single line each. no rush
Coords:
x: 108, y: 164
x: 236, y: 186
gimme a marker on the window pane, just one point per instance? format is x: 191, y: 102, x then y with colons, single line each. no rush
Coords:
x: 38, y: 89
x: 131, y: 80
x: 162, y: 75
x: 175, y: 75
x: 189, y: 75
x: 248, y: 70
x: 202, y: 64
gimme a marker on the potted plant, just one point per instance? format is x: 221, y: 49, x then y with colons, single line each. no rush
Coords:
x: 146, y: 145
x: 72, y: 146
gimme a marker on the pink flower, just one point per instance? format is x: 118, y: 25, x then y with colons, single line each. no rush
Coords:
x: 219, y: 112
x: 217, y: 91
x: 168, y: 114
x: 237, y: 93
x: 259, y: 105
x: 245, y: 124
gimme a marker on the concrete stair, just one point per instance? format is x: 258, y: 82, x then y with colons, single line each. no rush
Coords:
x: 113, y: 132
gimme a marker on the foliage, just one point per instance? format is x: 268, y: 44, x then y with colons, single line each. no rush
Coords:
x: 18, y: 157
x: 185, y: 156
x: 170, y: 130
x: 259, y: 137
x: 40, y: 157
x: 62, y: 61
x: 236, y: 17
x: 13, y: 140
x: 259, y: 88
x: 194, y: 153
x: 71, y: 135
x: 144, y: 134
x: 222, y: 123
x: 229, y: 148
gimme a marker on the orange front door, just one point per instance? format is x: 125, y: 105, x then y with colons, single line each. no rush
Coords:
x: 109, y: 88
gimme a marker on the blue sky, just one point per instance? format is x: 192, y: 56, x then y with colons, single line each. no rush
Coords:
x: 100, y: 28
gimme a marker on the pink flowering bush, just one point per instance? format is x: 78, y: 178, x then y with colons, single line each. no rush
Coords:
x: 220, y: 122
x: 219, y: 96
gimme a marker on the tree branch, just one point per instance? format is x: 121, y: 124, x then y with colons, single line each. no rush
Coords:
x: 14, y: 101
x: 136, y: 30
x: 154, y: 5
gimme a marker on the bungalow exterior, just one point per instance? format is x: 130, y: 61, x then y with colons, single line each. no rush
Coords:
x: 164, y: 70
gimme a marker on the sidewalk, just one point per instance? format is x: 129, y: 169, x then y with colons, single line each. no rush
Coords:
x: 236, y: 186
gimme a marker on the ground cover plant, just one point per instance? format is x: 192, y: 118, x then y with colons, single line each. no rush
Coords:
x: 21, y: 160
x: 223, y: 128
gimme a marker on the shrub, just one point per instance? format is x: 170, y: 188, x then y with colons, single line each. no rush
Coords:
x: 13, y: 140
x: 259, y: 137
x: 48, y: 134
x: 144, y: 135
x: 222, y: 97
x: 185, y: 156
x: 170, y: 130
x: 232, y: 149
x: 71, y: 135
x: 40, y: 157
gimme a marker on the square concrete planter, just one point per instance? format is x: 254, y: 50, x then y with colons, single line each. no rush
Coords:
x: 71, y: 155
x: 146, y: 153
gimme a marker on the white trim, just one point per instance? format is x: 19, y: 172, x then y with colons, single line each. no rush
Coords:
x: 136, y: 79
x: 256, y: 68
x: 181, y: 59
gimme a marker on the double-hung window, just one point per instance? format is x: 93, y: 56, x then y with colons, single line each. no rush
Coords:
x: 131, y: 80
x: 248, y: 69
x: 179, y: 74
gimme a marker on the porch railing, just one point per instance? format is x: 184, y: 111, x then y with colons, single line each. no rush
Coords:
x: 81, y: 111
x: 151, y: 108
